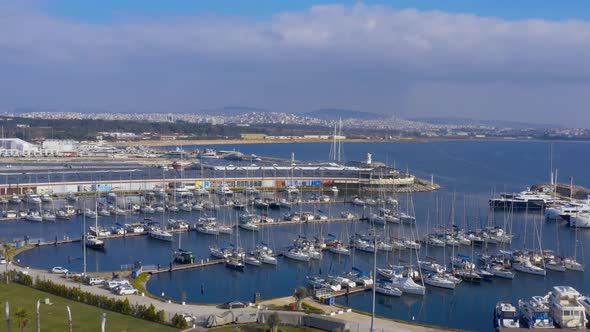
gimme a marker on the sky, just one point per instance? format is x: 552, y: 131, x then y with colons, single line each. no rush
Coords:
x: 489, y: 59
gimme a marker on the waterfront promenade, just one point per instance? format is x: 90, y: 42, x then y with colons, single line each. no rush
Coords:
x: 357, y: 321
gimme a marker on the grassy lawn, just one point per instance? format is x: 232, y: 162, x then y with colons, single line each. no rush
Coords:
x: 262, y: 328
x: 54, y: 317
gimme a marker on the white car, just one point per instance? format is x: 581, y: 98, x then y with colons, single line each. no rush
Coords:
x: 95, y: 281
x: 3, y: 260
x: 113, y: 284
x: 126, y: 290
x: 59, y: 270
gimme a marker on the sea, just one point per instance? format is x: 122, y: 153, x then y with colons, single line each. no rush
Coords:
x: 470, y: 172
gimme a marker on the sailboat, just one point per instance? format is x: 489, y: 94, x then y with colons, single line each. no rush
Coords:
x: 160, y: 233
x: 92, y: 241
x: 571, y: 263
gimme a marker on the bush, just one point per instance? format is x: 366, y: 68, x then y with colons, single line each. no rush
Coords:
x: 179, y: 322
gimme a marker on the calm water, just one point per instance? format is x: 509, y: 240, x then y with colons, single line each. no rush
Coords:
x: 469, y: 171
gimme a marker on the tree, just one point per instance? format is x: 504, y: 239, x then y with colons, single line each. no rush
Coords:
x: 6, y: 247
x: 179, y: 322
x: 273, y: 322
x: 300, y: 294
x: 22, y: 318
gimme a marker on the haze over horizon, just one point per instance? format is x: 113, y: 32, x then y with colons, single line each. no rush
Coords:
x: 483, y: 60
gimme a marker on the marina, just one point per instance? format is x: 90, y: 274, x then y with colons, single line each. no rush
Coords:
x: 451, y: 223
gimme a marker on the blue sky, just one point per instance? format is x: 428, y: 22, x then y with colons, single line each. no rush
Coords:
x: 108, y: 10
x: 519, y: 60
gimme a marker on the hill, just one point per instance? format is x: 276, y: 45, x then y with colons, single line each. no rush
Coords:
x: 335, y: 114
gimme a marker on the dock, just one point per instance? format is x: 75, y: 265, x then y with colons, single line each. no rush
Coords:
x: 180, y: 267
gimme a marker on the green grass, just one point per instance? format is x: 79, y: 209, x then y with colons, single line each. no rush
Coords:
x: 54, y: 317
x: 262, y: 328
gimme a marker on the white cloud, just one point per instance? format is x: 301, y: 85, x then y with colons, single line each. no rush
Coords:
x: 359, y: 48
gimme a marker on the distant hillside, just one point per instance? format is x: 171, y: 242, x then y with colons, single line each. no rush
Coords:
x: 233, y: 110
x: 335, y: 114
x: 479, y: 122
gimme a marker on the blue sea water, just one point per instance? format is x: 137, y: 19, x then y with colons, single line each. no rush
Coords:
x: 469, y: 172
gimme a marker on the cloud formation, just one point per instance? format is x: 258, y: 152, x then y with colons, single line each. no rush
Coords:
x: 372, y: 58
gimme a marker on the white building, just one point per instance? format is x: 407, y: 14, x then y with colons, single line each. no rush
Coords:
x: 17, y: 147
x: 59, y: 145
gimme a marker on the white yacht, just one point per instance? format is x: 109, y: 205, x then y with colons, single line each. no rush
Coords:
x: 34, y: 216
x: 535, y: 313
x: 15, y: 199
x: 500, y: 271
x: 249, y: 226
x: 291, y: 190
x: 297, y: 254
x: 224, y: 190
x: 208, y: 229
x: 90, y: 213
x: 439, y: 280
x: 340, y: 249
x: 252, y: 260
x: 505, y: 316
x: 580, y: 220
x: 160, y: 234
x: 572, y: 264
x: 526, y: 266
x: 94, y: 242
x: 431, y: 266
x: 407, y: 285
x: 45, y: 198
x: 32, y: 198
x: 263, y: 254
x: 48, y: 216
x: 386, y: 288
x: 565, y: 308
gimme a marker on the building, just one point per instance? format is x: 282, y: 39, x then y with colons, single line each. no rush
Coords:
x: 12, y: 147
x: 59, y: 145
x: 252, y: 136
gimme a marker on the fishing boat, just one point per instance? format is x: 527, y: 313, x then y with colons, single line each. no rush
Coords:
x: 505, y: 316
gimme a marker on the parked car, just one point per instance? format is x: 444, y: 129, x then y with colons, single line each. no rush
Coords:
x: 59, y: 270
x: 72, y: 274
x: 233, y: 305
x: 114, y: 283
x: 126, y: 290
x: 95, y: 281
x: 3, y: 260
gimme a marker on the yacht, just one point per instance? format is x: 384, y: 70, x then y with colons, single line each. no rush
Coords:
x: 90, y: 213
x: 234, y: 263
x: 219, y: 252
x: 224, y: 190
x: 10, y: 214
x: 440, y: 280
x: 386, y: 288
x: 34, y: 216
x: 340, y: 249
x: 524, y: 200
x: 291, y: 190
x: 61, y: 214
x: 505, y: 316
x: 32, y: 198
x: 357, y: 201
x: 183, y: 257
x: 263, y: 254
x: 580, y: 220
x: 297, y: 254
x: 572, y: 264
x: 347, y: 215
x: 526, y: 266
x: 249, y: 226
x: 535, y: 313
x: 554, y: 264
x: 45, y: 198
x: 334, y: 189
x: 500, y: 271
x: 94, y: 242
x: 407, y: 285
x: 15, y: 199
x: 431, y: 266
x: 48, y: 216
x: 208, y: 229
x: 252, y: 260
x: 160, y: 234
x: 565, y: 308
x: 147, y: 209
x: 104, y: 213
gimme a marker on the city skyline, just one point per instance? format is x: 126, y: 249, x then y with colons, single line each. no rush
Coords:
x: 452, y: 60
